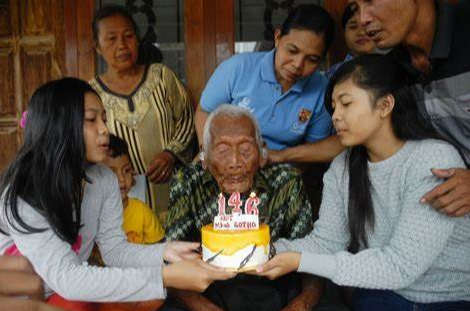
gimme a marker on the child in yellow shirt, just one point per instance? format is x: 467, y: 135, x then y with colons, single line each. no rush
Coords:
x: 141, y: 225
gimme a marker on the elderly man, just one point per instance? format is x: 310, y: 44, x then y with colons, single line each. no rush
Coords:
x: 431, y: 40
x: 233, y: 159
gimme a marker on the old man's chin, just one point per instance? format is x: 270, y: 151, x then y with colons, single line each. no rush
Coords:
x: 238, y: 187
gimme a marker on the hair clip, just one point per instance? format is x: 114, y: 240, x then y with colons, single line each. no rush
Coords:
x: 23, y: 119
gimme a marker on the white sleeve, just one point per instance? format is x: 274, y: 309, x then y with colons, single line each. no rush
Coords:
x: 419, y: 237
x: 62, y: 270
x: 111, y: 239
x: 330, y: 232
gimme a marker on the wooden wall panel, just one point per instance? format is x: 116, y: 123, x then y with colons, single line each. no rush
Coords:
x: 5, y: 20
x: 7, y: 87
x: 86, y: 49
x: 32, y: 52
x: 209, y: 40
x: 37, y: 68
x: 9, y: 143
x: 71, y: 38
x: 225, y: 30
x: 338, y: 49
x: 194, y: 48
x: 33, y: 17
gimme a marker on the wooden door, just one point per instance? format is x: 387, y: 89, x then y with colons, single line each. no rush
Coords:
x: 40, y: 40
x: 31, y: 53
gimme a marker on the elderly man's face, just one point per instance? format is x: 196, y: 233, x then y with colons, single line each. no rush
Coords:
x: 233, y: 158
x: 387, y: 22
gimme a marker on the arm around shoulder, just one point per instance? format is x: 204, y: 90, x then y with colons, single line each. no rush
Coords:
x: 320, y: 151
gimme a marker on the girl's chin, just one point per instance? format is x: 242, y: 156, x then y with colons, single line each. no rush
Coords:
x: 347, y: 143
x: 96, y: 159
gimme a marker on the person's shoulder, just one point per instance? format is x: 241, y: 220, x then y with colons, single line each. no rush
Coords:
x: 93, y: 82
x: 316, y: 84
x: 191, y: 173
x: 434, y: 152
x: 319, y: 79
x: 100, y: 175
x: 339, y: 162
x: 138, y: 205
x: 96, y: 85
x: 248, y: 57
x: 280, y: 174
x: 157, y: 70
x: 245, y: 60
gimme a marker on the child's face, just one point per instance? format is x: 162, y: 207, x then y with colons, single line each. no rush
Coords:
x: 95, y: 132
x: 356, y: 38
x: 356, y: 119
x: 122, y: 167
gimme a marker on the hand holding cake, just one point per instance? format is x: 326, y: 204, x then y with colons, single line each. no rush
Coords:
x: 279, y: 265
x: 194, y: 275
x: 176, y: 251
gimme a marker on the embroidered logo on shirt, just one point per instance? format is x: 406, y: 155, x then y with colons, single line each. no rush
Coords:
x: 304, y: 115
x: 245, y: 103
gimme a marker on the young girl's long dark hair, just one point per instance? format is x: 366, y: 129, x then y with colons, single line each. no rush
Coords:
x: 49, y: 169
x: 379, y: 75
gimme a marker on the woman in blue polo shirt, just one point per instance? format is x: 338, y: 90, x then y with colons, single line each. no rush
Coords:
x: 281, y: 88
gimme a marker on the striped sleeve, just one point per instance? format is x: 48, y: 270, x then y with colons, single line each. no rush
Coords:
x: 183, y: 112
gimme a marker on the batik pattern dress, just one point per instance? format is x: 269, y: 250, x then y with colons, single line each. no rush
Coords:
x: 156, y: 116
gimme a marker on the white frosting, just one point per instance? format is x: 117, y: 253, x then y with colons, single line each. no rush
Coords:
x: 260, y: 256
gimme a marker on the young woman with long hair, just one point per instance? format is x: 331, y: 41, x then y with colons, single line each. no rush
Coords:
x: 373, y: 232
x: 56, y: 202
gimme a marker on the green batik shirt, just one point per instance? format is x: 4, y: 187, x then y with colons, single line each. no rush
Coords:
x: 283, y: 204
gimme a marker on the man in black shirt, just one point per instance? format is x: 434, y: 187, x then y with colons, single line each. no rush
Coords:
x: 431, y: 39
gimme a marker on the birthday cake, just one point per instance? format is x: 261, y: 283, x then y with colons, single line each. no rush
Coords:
x: 236, y: 241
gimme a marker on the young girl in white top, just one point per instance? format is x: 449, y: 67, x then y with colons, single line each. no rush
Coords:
x: 373, y: 232
x: 56, y: 202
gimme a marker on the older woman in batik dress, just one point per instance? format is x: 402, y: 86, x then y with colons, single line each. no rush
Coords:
x: 147, y: 106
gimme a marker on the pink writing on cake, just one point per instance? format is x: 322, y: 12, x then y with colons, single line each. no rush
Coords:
x: 246, y: 219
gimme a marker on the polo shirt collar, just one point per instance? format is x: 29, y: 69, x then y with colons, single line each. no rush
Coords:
x: 268, y: 73
x: 267, y: 67
x: 444, y: 28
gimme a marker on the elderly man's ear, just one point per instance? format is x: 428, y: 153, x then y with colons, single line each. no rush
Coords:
x: 264, y: 156
x: 202, y: 159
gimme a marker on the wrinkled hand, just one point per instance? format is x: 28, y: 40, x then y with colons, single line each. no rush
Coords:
x: 279, y: 265
x: 161, y: 169
x: 194, y: 275
x: 177, y: 251
x: 453, y: 196
x: 275, y: 156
